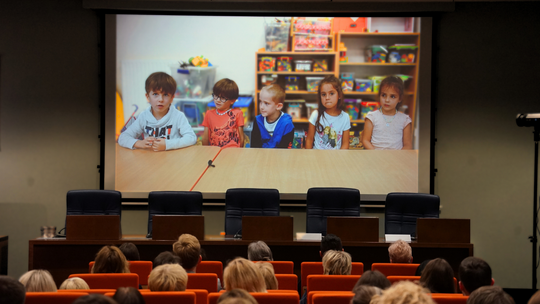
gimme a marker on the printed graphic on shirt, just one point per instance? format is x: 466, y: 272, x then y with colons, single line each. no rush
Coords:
x: 164, y: 132
x: 329, y: 137
x: 224, y: 134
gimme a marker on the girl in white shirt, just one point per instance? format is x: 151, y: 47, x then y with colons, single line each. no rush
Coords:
x: 329, y: 129
x: 386, y: 128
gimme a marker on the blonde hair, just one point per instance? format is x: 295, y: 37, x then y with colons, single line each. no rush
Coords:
x: 277, y: 92
x: 364, y: 293
x: 38, y: 280
x: 267, y: 271
x: 168, y: 277
x: 110, y: 259
x: 400, y: 252
x: 188, y: 249
x: 236, y: 296
x: 241, y: 273
x: 337, y: 263
x: 74, y: 283
x: 404, y: 292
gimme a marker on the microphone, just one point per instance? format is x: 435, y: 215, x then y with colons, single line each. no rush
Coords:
x: 238, y: 234
x: 210, y: 164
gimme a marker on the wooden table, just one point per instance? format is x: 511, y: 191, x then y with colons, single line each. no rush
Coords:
x: 141, y: 171
x: 293, y: 172
x: 63, y: 258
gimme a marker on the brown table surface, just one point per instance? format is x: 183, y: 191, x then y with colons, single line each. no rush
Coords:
x: 63, y: 258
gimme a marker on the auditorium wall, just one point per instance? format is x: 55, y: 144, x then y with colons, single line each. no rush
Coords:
x: 484, y: 73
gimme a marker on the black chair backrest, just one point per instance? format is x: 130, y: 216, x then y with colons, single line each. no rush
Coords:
x: 251, y: 202
x: 402, y: 210
x: 173, y: 203
x: 94, y: 202
x: 324, y: 202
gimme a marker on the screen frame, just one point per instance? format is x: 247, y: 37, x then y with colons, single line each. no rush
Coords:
x: 425, y: 128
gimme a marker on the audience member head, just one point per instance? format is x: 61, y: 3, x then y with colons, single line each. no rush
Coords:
x: 11, y: 290
x: 330, y: 242
x: 267, y: 271
x: 168, y: 277
x: 474, y: 273
x: 188, y: 249
x: 438, y: 277
x: 373, y: 278
x: 535, y: 299
x: 110, y: 260
x: 490, y: 295
x: 363, y: 294
x: 128, y: 295
x: 259, y: 251
x: 74, y: 283
x: 421, y: 267
x: 38, y: 280
x: 236, y: 296
x: 95, y: 298
x: 166, y: 257
x: 404, y: 292
x: 400, y: 252
x: 242, y: 273
x: 130, y: 251
x: 337, y: 263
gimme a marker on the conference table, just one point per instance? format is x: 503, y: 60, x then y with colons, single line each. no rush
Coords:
x: 62, y: 257
x: 291, y: 171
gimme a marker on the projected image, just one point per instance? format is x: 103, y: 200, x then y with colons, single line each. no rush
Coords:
x: 287, y: 83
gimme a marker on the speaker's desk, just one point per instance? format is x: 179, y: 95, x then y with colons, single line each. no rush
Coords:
x: 63, y: 258
x: 291, y: 171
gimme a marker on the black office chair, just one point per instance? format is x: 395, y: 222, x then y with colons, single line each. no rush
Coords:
x: 173, y: 203
x: 324, y: 202
x: 402, y: 210
x: 251, y: 202
x: 94, y: 202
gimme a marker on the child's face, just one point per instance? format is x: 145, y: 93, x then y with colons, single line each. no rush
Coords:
x: 389, y: 98
x: 267, y: 105
x: 159, y: 101
x: 329, y: 96
x: 223, y: 103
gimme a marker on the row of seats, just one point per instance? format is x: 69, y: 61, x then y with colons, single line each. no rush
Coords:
x: 401, y: 209
x: 193, y: 297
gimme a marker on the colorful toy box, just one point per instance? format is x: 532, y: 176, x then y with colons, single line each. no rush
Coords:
x: 368, y: 106
x: 284, y: 64
x: 377, y: 53
x: 321, y: 26
x: 320, y: 65
x: 352, y: 107
x: 376, y: 82
x: 347, y: 81
x: 267, y: 64
x: 193, y: 108
x: 277, y: 36
x: 362, y: 85
x: 312, y: 83
x: 303, y: 65
x: 291, y: 83
x: 311, y: 43
x: 194, y: 82
x: 294, y: 107
x: 403, y: 53
x: 268, y: 79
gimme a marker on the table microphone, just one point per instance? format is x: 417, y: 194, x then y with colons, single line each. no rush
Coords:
x: 210, y: 164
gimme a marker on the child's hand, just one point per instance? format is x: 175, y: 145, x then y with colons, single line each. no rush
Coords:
x: 159, y: 144
x: 145, y: 143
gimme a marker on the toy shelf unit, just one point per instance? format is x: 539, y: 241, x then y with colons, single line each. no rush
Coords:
x: 367, y: 58
x: 312, y: 34
x: 299, y: 73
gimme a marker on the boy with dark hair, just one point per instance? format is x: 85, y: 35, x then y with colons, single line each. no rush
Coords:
x: 163, y: 127
x: 330, y: 242
x: 272, y: 128
x: 166, y: 257
x: 224, y: 126
x: 11, y: 291
x: 474, y: 273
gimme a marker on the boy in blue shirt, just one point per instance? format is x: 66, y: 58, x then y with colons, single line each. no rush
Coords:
x: 272, y: 128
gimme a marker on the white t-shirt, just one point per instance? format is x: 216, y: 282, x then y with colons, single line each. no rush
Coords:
x: 388, y: 130
x: 333, y: 127
x: 270, y: 127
